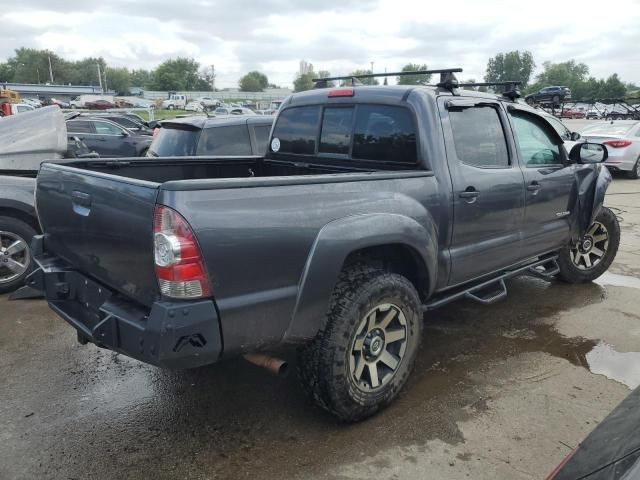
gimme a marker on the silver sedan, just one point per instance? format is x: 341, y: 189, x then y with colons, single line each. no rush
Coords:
x: 622, y: 139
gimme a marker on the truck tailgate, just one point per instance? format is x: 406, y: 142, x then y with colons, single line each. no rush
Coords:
x: 102, y: 225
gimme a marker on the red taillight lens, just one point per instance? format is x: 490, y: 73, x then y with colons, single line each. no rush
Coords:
x: 342, y: 92
x: 618, y: 143
x: 179, y: 265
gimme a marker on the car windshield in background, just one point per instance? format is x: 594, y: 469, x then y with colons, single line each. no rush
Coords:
x: 608, y: 129
x: 175, y: 142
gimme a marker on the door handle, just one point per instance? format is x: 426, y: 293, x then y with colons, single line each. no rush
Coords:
x: 534, y: 186
x: 469, y: 194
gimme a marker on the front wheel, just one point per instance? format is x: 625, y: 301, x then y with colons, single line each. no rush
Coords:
x: 593, y: 254
x: 362, y: 358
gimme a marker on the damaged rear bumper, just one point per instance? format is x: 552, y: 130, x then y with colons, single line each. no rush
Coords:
x: 168, y: 334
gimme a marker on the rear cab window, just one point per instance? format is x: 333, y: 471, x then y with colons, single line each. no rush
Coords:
x: 368, y: 133
x: 173, y: 141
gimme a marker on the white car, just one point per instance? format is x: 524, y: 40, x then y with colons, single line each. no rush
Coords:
x: 194, y: 107
x: 208, y: 102
x: 622, y: 139
x: 34, y: 102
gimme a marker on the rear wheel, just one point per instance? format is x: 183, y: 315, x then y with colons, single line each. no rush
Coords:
x: 15, y: 255
x: 593, y: 254
x: 362, y: 358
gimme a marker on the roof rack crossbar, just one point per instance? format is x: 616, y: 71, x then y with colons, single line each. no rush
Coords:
x: 388, y: 74
x: 506, y: 83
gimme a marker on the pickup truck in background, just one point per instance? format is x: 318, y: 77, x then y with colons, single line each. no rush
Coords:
x: 175, y: 102
x: 372, y: 206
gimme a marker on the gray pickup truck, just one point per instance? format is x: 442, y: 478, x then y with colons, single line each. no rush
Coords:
x: 372, y: 206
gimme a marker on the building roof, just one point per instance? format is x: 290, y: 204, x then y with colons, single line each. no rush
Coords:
x: 44, y: 89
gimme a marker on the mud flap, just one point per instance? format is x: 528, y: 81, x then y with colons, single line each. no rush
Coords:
x: 591, y: 187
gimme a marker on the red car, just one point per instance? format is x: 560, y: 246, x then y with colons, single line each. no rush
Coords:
x: 568, y: 113
x: 99, y: 105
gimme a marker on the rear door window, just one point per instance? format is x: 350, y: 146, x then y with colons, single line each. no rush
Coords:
x: 296, y: 131
x: 79, y: 126
x: 104, y: 128
x: 384, y: 133
x: 175, y: 142
x: 335, y: 136
x: 229, y: 140
x: 479, y: 137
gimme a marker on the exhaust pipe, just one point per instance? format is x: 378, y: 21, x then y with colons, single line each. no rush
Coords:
x: 272, y: 364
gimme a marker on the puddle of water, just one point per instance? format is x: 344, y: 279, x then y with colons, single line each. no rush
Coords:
x: 616, y: 280
x: 621, y: 367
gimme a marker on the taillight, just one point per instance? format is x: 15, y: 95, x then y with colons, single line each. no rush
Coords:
x: 179, y: 265
x: 618, y: 143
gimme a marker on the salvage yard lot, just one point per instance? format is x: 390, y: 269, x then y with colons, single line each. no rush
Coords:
x: 502, y: 391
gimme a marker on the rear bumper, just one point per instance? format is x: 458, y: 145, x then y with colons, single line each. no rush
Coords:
x: 169, y: 334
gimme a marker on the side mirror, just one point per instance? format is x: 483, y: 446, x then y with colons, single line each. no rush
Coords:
x: 153, y: 124
x: 588, y: 153
x: 575, y: 136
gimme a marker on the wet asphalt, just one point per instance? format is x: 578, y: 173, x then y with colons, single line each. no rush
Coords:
x: 500, y: 391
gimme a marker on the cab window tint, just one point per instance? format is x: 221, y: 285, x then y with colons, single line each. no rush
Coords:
x: 384, y: 133
x: 297, y: 129
x: 229, y: 140
x: 335, y: 136
x: 537, y: 146
x: 479, y: 137
x: 174, y: 142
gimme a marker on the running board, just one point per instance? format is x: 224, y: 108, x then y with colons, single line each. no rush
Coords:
x: 494, y: 289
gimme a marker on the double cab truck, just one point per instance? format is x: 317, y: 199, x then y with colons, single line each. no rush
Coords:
x: 373, y: 206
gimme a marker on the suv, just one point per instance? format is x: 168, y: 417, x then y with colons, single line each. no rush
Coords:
x: 129, y: 121
x: 373, y: 206
x: 108, y: 138
x: 199, y: 135
x: 550, y: 95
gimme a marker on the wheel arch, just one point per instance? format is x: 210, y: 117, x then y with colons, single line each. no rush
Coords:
x: 394, y: 242
x: 20, y: 212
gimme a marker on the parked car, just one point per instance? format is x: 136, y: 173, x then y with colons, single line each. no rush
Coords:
x: 242, y: 111
x: 130, y: 121
x: 571, y: 113
x: 194, y: 107
x: 222, y: 111
x: 99, y: 105
x: 202, y: 136
x: 611, y: 451
x: 622, y: 138
x: 550, y: 95
x: 208, y: 102
x: 593, y: 114
x: 34, y: 102
x: 362, y: 215
x: 55, y: 101
x: 17, y: 108
x: 107, y: 138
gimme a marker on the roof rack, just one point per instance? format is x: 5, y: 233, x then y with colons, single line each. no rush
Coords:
x: 447, y: 77
x: 512, y: 91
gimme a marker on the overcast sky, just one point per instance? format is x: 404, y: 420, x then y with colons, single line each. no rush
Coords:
x: 274, y: 35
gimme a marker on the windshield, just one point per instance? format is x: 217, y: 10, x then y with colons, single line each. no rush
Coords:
x: 174, y: 142
x: 608, y: 129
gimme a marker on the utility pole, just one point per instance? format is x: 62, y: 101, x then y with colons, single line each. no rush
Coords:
x: 371, y: 79
x: 213, y: 78
x: 100, y: 77
x: 50, y: 70
x: 106, y: 89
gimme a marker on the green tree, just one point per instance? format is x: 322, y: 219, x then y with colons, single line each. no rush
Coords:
x: 6, y: 73
x: 304, y: 82
x: 513, y: 65
x: 32, y: 66
x: 570, y: 74
x: 118, y: 80
x: 141, y: 78
x: 85, y: 71
x: 614, y: 88
x: 254, y: 82
x: 365, y: 81
x: 413, y: 79
x: 177, y: 74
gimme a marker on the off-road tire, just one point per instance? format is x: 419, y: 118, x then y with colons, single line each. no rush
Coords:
x: 570, y: 273
x: 25, y: 232
x: 323, y: 365
x: 634, y: 174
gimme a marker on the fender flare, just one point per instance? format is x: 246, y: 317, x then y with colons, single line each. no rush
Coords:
x: 333, y: 244
x: 591, y: 188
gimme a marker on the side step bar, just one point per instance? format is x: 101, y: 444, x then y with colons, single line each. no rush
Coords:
x: 494, y: 289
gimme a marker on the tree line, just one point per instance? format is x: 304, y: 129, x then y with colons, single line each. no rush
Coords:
x: 30, y: 65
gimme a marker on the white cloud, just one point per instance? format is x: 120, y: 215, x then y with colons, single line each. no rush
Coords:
x: 274, y: 35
